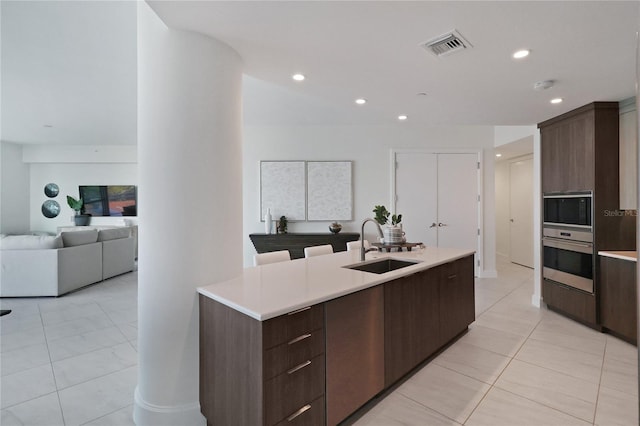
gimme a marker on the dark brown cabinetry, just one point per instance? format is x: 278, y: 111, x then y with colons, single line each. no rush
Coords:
x: 261, y: 373
x: 355, y: 351
x: 318, y: 365
x: 412, y: 322
x: 567, y: 150
x: 457, y: 298
x: 618, y: 297
x: 423, y: 312
x: 580, y: 152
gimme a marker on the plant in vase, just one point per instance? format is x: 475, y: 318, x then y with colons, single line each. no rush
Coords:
x: 80, y: 219
x: 282, y: 225
x: 392, y: 234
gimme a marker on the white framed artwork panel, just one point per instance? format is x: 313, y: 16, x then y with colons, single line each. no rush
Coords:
x: 283, y: 189
x: 329, y: 191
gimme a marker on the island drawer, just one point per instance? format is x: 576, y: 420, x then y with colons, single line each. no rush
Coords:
x: 311, y: 414
x: 281, y: 358
x: 286, y: 327
x: 288, y: 392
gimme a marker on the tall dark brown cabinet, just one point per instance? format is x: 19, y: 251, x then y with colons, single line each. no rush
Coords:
x: 580, y: 152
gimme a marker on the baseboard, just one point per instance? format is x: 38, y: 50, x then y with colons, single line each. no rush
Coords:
x: 488, y: 273
x: 146, y: 414
x: 536, y: 300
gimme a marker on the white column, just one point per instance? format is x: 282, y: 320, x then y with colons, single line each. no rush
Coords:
x: 190, y: 206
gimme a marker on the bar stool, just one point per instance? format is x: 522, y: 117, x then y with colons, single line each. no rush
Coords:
x: 355, y: 245
x: 318, y: 250
x: 271, y: 257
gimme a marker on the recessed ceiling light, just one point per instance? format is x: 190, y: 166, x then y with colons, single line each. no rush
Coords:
x: 556, y: 100
x: 361, y: 101
x: 498, y: 155
x: 402, y: 117
x: 521, y: 54
x: 298, y: 77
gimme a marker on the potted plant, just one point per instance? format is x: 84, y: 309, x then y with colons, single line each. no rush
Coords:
x: 80, y: 219
x: 392, y: 234
x: 282, y: 225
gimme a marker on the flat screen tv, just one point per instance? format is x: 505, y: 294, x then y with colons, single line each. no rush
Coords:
x: 109, y: 200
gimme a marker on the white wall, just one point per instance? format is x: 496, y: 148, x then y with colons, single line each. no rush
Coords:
x: 509, y: 134
x: 14, y: 190
x: 502, y: 208
x: 369, y: 147
x: 72, y: 166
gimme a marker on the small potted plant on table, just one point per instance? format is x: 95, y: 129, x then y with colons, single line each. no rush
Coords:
x: 80, y: 219
x: 392, y: 234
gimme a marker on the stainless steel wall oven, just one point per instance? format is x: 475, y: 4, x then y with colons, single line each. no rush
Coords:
x: 568, y: 256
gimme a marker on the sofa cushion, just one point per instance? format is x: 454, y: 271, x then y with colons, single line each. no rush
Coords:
x: 114, y: 234
x: 29, y: 242
x: 78, y: 238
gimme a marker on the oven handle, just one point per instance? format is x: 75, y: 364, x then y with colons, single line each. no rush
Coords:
x: 568, y: 245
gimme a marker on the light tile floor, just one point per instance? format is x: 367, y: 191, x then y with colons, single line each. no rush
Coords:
x: 73, y: 361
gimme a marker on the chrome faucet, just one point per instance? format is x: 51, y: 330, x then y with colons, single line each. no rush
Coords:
x: 362, y: 249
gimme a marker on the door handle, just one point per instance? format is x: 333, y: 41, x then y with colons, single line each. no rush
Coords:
x: 442, y: 224
x: 433, y: 225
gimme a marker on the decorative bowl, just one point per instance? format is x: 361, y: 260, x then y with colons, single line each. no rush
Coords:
x: 335, y: 228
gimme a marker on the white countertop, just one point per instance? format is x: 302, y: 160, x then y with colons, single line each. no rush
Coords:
x: 624, y: 255
x: 267, y: 291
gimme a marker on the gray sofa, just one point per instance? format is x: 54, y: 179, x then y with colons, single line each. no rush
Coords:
x: 35, y: 265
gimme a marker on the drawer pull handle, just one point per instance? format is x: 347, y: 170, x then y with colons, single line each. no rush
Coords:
x: 299, y: 367
x: 450, y: 277
x: 299, y: 338
x: 299, y: 310
x: 297, y: 413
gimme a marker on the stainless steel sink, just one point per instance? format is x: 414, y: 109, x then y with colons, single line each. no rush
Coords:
x: 381, y: 266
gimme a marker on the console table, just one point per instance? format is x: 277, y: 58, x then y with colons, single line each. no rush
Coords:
x: 296, y: 243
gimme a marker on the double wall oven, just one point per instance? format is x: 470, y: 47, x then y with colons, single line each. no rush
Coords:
x: 568, y: 256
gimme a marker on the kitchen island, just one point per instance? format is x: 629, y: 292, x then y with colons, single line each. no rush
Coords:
x: 309, y: 341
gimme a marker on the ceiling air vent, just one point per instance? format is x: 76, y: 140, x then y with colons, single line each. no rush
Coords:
x: 446, y: 44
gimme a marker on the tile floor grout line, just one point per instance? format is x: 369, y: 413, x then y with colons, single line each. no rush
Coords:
x: 427, y: 407
x: 108, y: 414
x: 501, y: 373
x: 501, y: 299
x: 53, y: 374
x: 545, y: 405
x: 604, y: 354
x: 98, y: 377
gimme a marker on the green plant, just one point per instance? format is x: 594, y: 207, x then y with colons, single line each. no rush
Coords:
x: 282, y: 225
x: 382, y: 215
x: 75, y: 204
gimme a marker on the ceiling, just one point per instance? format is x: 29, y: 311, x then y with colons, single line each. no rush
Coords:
x: 69, y: 68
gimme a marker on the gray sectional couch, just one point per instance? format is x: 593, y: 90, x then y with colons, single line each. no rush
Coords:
x: 35, y: 265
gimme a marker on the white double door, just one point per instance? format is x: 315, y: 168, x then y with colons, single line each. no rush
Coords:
x: 438, y: 197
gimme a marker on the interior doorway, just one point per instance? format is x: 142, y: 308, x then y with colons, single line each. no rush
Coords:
x: 521, y: 212
x: 438, y: 195
x: 514, y: 202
